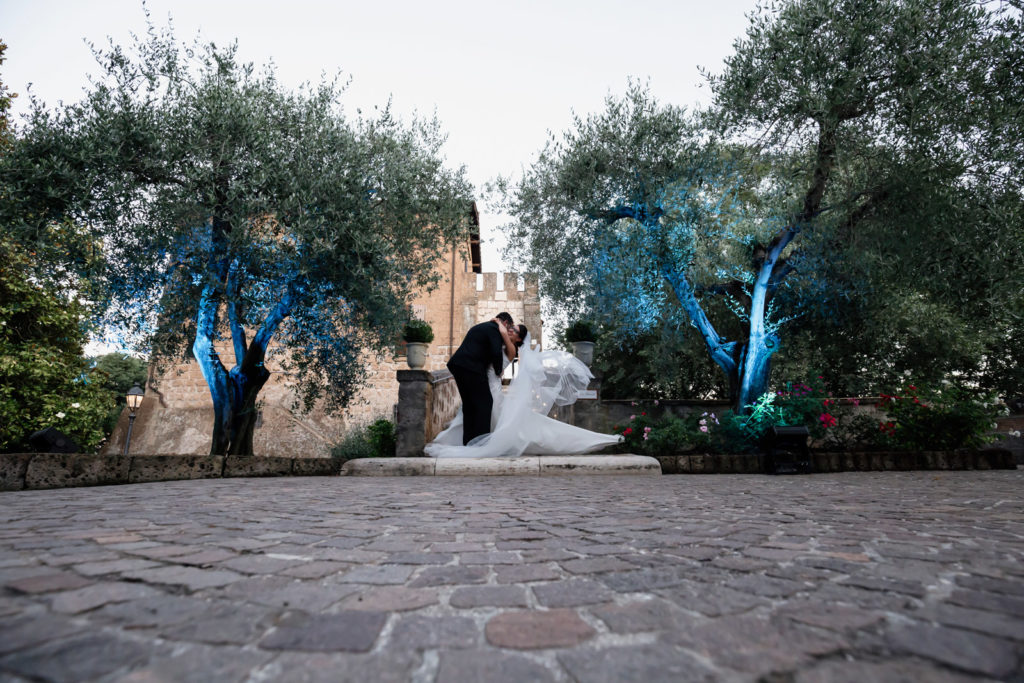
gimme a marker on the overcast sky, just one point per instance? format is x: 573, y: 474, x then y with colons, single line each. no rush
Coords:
x: 499, y: 75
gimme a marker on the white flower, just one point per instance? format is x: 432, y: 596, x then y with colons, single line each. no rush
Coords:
x: 76, y: 405
x: 1015, y: 433
x: 60, y: 416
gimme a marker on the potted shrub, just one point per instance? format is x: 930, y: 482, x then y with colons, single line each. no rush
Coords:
x: 581, y: 335
x: 417, y: 336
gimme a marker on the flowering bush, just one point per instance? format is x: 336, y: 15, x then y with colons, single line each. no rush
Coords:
x: 937, y: 419
x: 914, y: 419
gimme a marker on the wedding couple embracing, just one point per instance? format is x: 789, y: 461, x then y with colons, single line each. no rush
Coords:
x: 492, y: 423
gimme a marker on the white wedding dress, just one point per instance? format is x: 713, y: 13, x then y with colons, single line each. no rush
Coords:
x: 519, y: 419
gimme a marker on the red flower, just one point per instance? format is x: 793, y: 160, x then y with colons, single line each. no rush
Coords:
x: 643, y: 413
x: 629, y: 430
x: 827, y: 420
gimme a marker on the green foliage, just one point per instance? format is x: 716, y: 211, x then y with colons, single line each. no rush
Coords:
x: 666, y: 362
x: 418, y: 331
x: 381, y: 435
x: 883, y: 134
x: 374, y: 440
x: 120, y: 372
x: 937, y: 419
x: 580, y: 331
x: 44, y: 379
x: 230, y: 207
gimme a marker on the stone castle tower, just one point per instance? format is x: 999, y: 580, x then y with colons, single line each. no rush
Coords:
x: 177, y: 415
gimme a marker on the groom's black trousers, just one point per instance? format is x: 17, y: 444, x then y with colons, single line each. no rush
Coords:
x: 476, y: 402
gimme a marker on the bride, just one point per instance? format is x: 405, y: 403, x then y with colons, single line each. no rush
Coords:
x: 519, y: 421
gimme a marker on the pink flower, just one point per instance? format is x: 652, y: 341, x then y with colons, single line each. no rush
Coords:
x: 704, y: 428
x: 827, y: 420
x: 632, y: 417
x: 856, y: 401
x: 655, y: 401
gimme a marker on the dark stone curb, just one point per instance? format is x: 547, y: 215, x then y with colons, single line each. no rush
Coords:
x: 962, y: 459
x: 26, y: 471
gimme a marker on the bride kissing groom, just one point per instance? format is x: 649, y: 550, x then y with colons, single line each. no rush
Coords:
x: 491, y: 423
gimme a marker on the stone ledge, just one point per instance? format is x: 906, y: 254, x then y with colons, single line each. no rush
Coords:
x: 529, y: 465
x: 30, y: 471
x: 866, y: 461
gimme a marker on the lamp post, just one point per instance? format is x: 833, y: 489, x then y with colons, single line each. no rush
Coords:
x: 134, y: 399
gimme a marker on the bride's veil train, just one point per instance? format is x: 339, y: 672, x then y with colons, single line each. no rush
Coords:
x: 544, y: 379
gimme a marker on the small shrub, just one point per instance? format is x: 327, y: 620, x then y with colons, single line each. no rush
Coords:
x: 381, y: 435
x: 937, y: 419
x: 375, y: 440
x: 418, y: 332
x: 580, y: 331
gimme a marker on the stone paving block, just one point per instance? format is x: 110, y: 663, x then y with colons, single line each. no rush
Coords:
x: 537, y: 630
x: 280, y: 591
x: 963, y: 649
x: 712, y: 601
x: 525, y: 573
x: 639, y: 615
x: 342, y: 667
x: 896, y: 671
x: 594, y: 565
x: 493, y: 557
x: 420, y: 558
x: 754, y: 644
x: 12, y: 471
x: 841, y: 618
x: 52, y: 470
x: 646, y: 579
x: 461, y: 666
x: 488, y: 596
x: 638, y: 663
x: 148, y: 613
x: 46, y: 582
x: 202, y: 558
x: 420, y: 632
x: 223, y: 623
x: 390, y: 599
x: 257, y: 563
x: 145, y: 468
x: 350, y: 631
x: 80, y: 658
x: 192, y: 578
x: 257, y: 466
x: 97, y: 595
x: 21, y: 633
x: 316, y: 570
x: 571, y: 593
x: 449, y: 576
x: 381, y: 575
x: 991, y: 623
x: 199, y: 663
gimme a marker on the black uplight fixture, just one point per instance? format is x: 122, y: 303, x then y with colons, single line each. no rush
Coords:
x: 785, y: 450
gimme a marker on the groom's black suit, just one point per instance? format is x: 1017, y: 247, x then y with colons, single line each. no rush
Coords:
x: 481, y: 350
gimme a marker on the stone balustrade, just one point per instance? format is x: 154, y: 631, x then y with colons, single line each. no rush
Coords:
x: 427, y: 401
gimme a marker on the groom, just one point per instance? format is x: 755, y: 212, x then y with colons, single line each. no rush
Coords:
x: 481, y: 350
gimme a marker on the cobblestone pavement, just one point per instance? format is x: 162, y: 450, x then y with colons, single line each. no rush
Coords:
x: 889, y: 576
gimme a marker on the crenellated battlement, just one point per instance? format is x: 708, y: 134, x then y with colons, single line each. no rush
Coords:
x: 510, y: 286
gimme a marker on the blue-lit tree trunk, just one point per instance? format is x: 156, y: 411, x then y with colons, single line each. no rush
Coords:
x: 234, y: 392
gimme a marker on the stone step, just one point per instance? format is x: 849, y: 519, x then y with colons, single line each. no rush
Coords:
x: 529, y: 465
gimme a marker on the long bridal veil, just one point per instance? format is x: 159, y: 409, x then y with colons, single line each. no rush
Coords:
x: 545, y: 379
